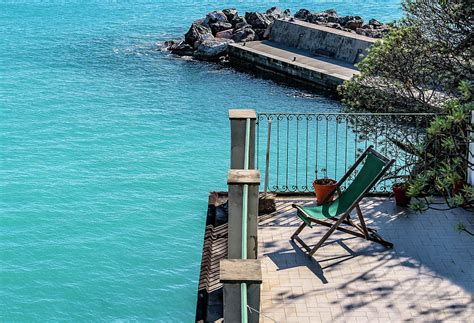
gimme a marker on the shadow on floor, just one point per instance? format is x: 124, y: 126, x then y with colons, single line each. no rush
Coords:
x: 428, y: 274
x: 297, y: 257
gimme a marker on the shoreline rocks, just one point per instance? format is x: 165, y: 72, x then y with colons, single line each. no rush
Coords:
x: 212, y: 49
x: 257, y: 20
x: 244, y: 34
x: 207, y: 38
x: 197, y: 34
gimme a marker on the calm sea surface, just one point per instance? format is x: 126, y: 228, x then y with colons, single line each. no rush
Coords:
x: 108, y: 149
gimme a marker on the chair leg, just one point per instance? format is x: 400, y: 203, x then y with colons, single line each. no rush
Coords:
x: 330, y: 231
x: 372, y: 235
x: 298, y: 231
x: 297, y: 238
x: 362, y: 220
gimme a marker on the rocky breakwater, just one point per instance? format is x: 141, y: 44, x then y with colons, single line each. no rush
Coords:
x: 207, y: 38
x: 353, y: 24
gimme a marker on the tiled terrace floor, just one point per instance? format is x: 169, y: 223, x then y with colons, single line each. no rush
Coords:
x: 428, y: 276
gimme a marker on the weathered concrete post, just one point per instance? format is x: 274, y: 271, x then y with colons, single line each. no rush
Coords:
x: 236, y: 179
x: 243, y: 181
x: 238, y: 119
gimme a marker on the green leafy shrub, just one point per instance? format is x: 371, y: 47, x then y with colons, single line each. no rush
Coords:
x: 421, y: 66
x: 446, y: 172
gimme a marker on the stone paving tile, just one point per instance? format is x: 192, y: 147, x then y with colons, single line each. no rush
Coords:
x: 428, y: 276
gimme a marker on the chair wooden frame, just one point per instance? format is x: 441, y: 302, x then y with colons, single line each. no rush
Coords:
x: 362, y: 230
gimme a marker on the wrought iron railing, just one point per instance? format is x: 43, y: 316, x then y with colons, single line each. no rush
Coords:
x: 313, y: 145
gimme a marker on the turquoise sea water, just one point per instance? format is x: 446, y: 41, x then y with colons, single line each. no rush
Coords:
x: 108, y: 149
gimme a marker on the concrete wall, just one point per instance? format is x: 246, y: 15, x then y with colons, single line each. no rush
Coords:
x: 321, y: 40
x: 248, y: 60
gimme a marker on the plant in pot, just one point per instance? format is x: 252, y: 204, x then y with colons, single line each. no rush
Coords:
x: 323, y: 186
x: 400, y: 190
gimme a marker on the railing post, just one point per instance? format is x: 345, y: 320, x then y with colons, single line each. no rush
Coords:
x: 243, y: 181
x: 238, y: 123
x: 238, y: 119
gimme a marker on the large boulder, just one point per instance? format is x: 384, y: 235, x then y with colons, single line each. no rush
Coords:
x: 169, y: 45
x: 226, y: 34
x: 267, y: 32
x: 277, y: 13
x: 231, y: 14
x: 343, y: 20
x: 183, y: 49
x: 244, y: 34
x: 239, y: 21
x: 200, y: 21
x: 260, y: 34
x: 384, y: 28
x: 212, y: 49
x: 302, y: 14
x: 351, y: 22
x: 317, y: 17
x: 257, y: 20
x: 220, y: 26
x: 331, y: 12
x: 197, y: 34
x: 374, y: 33
x: 331, y: 16
x: 242, y: 25
x: 375, y: 23
x: 215, y: 16
x: 334, y: 25
x: 323, y: 17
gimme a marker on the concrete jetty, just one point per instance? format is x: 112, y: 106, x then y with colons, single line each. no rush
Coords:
x: 306, y: 53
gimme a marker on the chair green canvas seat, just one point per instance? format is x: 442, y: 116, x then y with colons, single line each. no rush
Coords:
x: 374, y: 167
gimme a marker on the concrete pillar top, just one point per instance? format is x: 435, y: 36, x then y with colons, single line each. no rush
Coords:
x: 242, y: 176
x: 236, y: 271
x: 242, y: 114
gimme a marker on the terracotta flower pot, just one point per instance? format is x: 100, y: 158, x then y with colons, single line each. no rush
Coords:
x: 401, y: 197
x: 322, y: 188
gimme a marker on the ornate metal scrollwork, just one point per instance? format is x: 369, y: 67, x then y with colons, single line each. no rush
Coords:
x: 324, y: 136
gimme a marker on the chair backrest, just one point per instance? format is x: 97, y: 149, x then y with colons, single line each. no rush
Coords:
x: 371, y: 171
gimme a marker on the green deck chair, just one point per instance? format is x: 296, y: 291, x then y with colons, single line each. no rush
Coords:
x: 334, y: 214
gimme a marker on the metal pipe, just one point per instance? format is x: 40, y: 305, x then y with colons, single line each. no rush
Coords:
x: 267, y: 160
x: 245, y: 200
x: 247, y: 144
x: 243, y: 301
